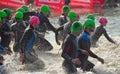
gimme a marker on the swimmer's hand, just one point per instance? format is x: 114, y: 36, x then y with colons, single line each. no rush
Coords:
x: 76, y: 61
x: 85, y: 52
x: 101, y: 60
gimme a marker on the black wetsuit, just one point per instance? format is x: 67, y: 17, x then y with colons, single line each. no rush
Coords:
x: 45, y: 23
x: 26, y: 42
x: 70, y: 48
x: 18, y: 29
x: 1, y: 52
x: 26, y: 15
x: 5, y: 39
x: 98, y: 33
x: 84, y: 44
x: 1, y: 63
x: 62, y: 20
x: 65, y: 28
x: 66, y: 2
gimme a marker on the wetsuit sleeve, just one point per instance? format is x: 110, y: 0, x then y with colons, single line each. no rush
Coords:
x: 66, y: 49
x: 26, y: 36
x: 56, y: 33
x: 49, y: 25
x: 12, y: 28
x: 1, y: 48
x: 107, y: 37
x: 28, y: 14
x: 1, y: 32
x: 61, y: 21
x: 86, y: 46
x: 4, y: 28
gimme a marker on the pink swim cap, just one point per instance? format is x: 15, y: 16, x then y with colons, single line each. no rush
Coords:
x: 102, y: 20
x: 33, y: 20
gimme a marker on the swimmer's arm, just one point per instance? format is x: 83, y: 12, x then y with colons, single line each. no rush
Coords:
x: 86, y: 46
x: 26, y: 36
x: 65, y: 56
x: 108, y: 38
x: 49, y: 25
x: 56, y: 34
x: 28, y: 14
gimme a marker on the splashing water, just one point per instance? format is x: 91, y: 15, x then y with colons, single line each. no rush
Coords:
x: 50, y: 62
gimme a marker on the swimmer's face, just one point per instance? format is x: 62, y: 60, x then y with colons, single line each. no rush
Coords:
x: 10, y: 16
x: 78, y: 32
x: 77, y: 18
x: 19, y: 20
x: 3, y: 20
x: 92, y: 28
x: 104, y: 24
x: 48, y: 14
x: 36, y: 25
x: 66, y: 14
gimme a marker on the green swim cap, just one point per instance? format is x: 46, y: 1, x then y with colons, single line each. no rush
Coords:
x: 72, y: 15
x: 20, y: 10
x: 24, y: 7
x: 2, y: 14
x: 65, y: 8
x: 89, y: 23
x: 44, y: 8
x: 19, y: 15
x: 75, y: 26
x: 90, y: 16
x: 7, y: 11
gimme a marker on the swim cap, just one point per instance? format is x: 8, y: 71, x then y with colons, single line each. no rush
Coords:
x: 33, y: 20
x: 75, y: 26
x: 20, y: 10
x: 7, y: 11
x: 89, y: 23
x: 72, y: 15
x: 103, y: 20
x: 19, y: 15
x: 44, y: 8
x: 2, y: 14
x: 65, y: 8
x: 90, y: 16
x: 24, y: 7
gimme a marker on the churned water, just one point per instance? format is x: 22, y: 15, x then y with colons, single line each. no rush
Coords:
x: 50, y: 61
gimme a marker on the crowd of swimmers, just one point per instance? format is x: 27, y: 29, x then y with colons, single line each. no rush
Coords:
x: 75, y: 38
